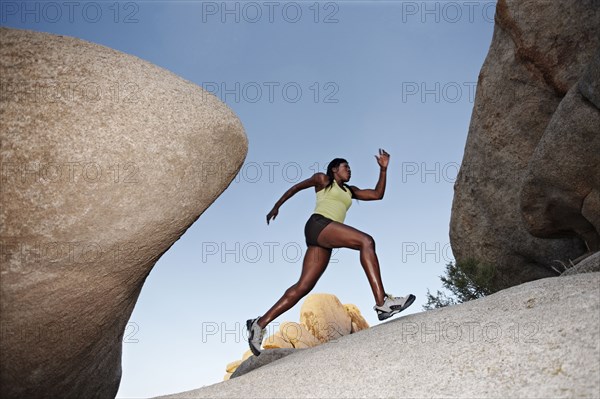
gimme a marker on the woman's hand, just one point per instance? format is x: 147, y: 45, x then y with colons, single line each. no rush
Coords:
x: 272, y: 214
x: 383, y: 159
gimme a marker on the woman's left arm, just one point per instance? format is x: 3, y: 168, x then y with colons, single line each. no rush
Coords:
x: 369, y: 195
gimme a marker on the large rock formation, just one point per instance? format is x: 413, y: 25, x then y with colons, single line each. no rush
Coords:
x: 527, y: 191
x: 106, y: 161
x: 537, y: 340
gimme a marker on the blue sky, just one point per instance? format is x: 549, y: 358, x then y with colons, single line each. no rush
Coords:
x: 310, y: 82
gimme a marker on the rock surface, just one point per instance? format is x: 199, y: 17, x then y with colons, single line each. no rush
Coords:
x: 527, y: 85
x: 231, y: 367
x: 266, y: 357
x: 537, y: 340
x: 590, y: 264
x: 106, y: 161
x: 560, y: 191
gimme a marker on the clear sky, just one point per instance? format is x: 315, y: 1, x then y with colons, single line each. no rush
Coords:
x: 310, y: 81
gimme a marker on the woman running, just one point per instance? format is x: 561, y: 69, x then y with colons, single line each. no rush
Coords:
x: 325, y: 230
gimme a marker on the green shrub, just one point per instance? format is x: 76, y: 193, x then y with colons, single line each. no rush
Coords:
x: 465, y: 281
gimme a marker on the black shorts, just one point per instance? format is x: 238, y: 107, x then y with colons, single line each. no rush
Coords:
x: 315, y: 224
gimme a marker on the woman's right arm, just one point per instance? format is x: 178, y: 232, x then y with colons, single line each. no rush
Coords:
x: 315, y: 180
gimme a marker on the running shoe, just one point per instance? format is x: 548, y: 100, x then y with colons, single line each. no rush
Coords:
x: 255, y: 335
x: 392, y: 305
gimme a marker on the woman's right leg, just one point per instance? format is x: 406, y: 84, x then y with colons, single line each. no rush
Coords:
x: 338, y: 235
x: 314, y: 264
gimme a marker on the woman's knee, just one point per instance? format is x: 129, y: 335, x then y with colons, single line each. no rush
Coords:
x: 300, y: 289
x: 367, y: 241
x: 304, y: 287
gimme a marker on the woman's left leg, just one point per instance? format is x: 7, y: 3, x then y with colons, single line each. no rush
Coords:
x: 339, y: 235
x: 314, y: 264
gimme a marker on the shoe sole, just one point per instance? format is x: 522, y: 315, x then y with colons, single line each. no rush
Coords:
x: 250, y: 336
x: 397, y: 308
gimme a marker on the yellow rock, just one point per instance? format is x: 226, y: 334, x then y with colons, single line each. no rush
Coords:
x: 325, y: 317
x: 297, y: 335
x: 230, y: 368
x: 276, y: 341
x: 358, y: 321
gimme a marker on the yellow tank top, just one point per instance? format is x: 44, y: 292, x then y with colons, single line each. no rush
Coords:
x: 333, y: 202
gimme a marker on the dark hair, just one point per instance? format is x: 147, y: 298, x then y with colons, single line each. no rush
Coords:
x: 336, y: 162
